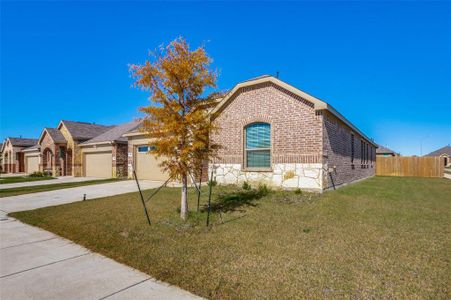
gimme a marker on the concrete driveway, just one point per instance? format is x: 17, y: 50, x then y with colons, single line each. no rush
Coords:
x: 36, y: 264
x: 63, y: 179
x: 57, y: 197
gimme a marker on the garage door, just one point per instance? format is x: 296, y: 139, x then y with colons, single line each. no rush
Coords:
x: 32, y: 164
x: 98, y: 164
x: 146, y: 165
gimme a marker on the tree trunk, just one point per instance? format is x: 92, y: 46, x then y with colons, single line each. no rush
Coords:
x: 184, y: 199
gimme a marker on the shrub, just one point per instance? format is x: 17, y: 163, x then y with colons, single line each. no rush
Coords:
x: 263, y: 190
x: 37, y: 174
x: 246, y: 186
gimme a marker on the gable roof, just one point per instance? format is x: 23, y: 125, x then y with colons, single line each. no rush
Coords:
x: 82, y: 130
x: 382, y: 149
x: 114, y: 135
x: 56, y: 136
x: 439, y: 152
x: 22, y: 142
x: 317, y: 103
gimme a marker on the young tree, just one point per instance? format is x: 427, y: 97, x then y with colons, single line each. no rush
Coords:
x: 177, y: 118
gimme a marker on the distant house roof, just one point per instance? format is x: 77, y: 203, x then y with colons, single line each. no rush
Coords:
x: 114, y: 134
x: 84, y: 131
x: 20, y: 142
x: 441, y: 151
x: 384, y: 150
x: 32, y: 148
x: 56, y: 135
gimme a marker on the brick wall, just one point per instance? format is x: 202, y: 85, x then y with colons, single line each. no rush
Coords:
x: 120, y: 160
x: 76, y: 167
x: 296, y: 130
x: 338, y: 152
x: 47, y: 143
x: 299, y: 135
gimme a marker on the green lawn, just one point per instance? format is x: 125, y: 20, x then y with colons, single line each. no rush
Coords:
x: 385, y: 237
x: 17, y: 179
x: 49, y: 187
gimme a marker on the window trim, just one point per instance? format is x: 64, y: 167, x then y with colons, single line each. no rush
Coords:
x: 245, y: 150
x: 142, y: 146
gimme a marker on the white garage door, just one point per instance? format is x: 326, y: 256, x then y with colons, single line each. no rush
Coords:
x: 32, y: 164
x: 146, y: 165
x: 99, y: 164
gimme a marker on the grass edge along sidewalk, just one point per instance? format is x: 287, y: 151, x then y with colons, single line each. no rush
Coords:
x: 19, y: 179
x: 50, y: 187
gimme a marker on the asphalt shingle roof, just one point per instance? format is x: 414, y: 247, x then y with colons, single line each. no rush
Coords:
x: 444, y: 150
x: 56, y: 135
x: 35, y: 147
x: 20, y: 142
x: 115, y: 133
x: 85, y: 131
x: 382, y: 149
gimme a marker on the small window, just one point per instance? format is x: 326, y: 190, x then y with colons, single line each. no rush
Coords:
x: 258, y: 145
x: 352, y: 148
x: 143, y: 149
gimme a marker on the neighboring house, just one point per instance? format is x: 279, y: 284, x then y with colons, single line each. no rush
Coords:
x: 32, y: 159
x: 13, y: 159
x: 59, y: 148
x: 1, y: 157
x: 444, y: 152
x: 106, y: 154
x: 144, y: 164
x: 385, y: 152
x: 272, y: 132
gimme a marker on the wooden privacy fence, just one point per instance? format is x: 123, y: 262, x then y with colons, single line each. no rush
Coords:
x: 410, y: 166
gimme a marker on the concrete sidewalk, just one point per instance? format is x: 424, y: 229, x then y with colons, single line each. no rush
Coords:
x: 63, y: 179
x: 63, y: 196
x: 36, y: 264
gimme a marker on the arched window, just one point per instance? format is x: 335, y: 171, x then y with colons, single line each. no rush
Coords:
x: 257, y: 145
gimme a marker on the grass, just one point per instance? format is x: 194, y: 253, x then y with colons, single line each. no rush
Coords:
x: 49, y: 187
x: 17, y: 179
x: 385, y: 237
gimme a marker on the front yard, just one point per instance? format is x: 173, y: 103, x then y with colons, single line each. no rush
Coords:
x: 385, y: 237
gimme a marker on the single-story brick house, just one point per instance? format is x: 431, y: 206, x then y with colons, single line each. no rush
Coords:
x: 444, y: 152
x: 385, y: 152
x: 59, y: 148
x: 273, y: 132
x: 13, y: 158
x: 145, y: 165
x: 106, y: 155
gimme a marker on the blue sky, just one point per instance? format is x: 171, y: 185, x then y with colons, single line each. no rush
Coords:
x: 386, y: 66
